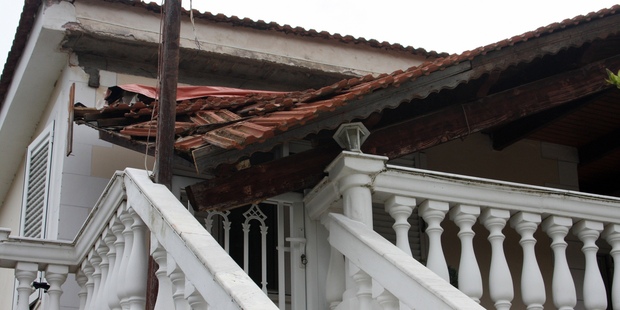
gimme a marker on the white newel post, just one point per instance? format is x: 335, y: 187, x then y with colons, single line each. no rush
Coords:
x: 500, y: 281
x: 594, y: 294
x: 612, y: 235
x: 433, y: 213
x: 470, y: 279
x: 164, y: 289
x: 81, y: 279
x: 25, y: 273
x: 532, y: 284
x: 400, y: 209
x: 122, y: 279
x: 137, y: 267
x: 563, y: 286
x: 55, y: 275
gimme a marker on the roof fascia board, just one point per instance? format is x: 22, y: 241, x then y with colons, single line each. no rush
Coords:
x: 133, y: 24
x: 32, y: 85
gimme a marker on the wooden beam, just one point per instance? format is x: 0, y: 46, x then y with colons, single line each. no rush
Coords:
x: 256, y: 183
x: 461, y: 120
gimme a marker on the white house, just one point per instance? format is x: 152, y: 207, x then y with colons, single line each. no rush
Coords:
x: 481, y: 180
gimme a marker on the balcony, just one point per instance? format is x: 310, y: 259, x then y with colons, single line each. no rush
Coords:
x: 471, y: 224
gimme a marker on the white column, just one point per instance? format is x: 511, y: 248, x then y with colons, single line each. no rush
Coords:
x: 137, y: 267
x: 364, y: 289
x: 177, y: 279
x: 470, y: 279
x: 612, y: 235
x: 164, y: 290
x: 55, y: 275
x: 25, y: 273
x: 500, y: 281
x: 594, y: 294
x: 122, y: 278
x: 532, y: 284
x: 117, y: 228
x: 263, y: 246
x: 563, y: 286
x: 400, y: 209
x: 388, y: 301
x: 81, y: 279
x: 192, y: 295
x: 88, y: 270
x: 102, y: 251
x: 433, y: 213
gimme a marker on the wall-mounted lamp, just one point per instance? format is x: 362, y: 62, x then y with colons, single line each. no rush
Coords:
x: 351, y: 136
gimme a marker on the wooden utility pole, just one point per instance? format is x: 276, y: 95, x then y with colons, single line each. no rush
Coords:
x: 166, y: 116
x: 169, y: 71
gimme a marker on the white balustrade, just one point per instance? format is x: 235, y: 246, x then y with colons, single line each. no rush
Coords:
x: 470, y: 279
x: 532, y: 284
x: 400, y: 209
x: 388, y: 301
x: 433, y: 212
x: 563, y: 286
x: 594, y: 296
x: 25, y: 273
x: 500, y: 280
x: 55, y: 275
x: 109, y: 257
x: 612, y: 235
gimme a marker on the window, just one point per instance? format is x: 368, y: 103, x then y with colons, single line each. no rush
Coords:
x: 36, y: 185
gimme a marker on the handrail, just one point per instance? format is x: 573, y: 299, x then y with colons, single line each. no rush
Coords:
x: 384, y: 262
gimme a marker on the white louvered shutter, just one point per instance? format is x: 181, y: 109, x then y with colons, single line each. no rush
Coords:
x: 36, y: 186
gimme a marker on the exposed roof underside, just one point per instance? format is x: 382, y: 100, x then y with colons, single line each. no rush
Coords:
x: 546, y: 84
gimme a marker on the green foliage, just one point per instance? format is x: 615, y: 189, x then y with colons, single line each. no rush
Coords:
x: 613, y: 79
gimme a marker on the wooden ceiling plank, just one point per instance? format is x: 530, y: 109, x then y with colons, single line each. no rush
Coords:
x: 599, y: 147
x: 509, y: 134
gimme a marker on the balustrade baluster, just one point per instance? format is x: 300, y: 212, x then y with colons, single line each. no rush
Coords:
x: 364, y: 289
x: 109, y: 239
x: 177, y: 278
x: 88, y: 270
x: 81, y: 279
x: 194, y: 298
x: 95, y: 261
x: 137, y: 267
x: 612, y: 235
x: 164, y: 291
x: 563, y: 286
x: 388, y: 301
x: 102, y: 251
x: 55, y: 275
x: 594, y: 294
x: 500, y: 281
x: 127, y: 220
x: 433, y: 213
x: 25, y: 273
x: 470, y: 279
x: 117, y: 228
x: 336, y: 281
x: 532, y: 284
x: 400, y: 209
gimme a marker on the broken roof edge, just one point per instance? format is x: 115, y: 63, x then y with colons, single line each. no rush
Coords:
x: 286, y: 29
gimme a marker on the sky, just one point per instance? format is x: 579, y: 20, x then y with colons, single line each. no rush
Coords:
x: 451, y: 26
